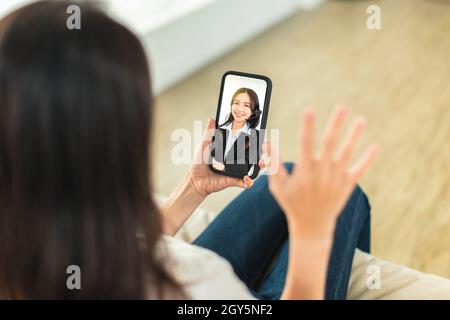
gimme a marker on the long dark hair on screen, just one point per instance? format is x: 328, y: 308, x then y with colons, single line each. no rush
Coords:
x: 75, y: 120
x: 254, y: 118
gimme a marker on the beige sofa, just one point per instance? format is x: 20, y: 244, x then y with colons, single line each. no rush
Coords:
x: 371, y: 278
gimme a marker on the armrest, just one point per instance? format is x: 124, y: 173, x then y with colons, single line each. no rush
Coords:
x: 396, y: 281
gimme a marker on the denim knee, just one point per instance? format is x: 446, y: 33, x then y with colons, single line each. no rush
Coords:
x: 362, y: 197
x: 289, y: 166
x: 361, y: 201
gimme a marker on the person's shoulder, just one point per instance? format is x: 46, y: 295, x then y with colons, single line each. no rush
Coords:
x: 191, y: 260
x: 253, y: 132
x: 221, y: 128
x: 203, y: 273
x: 225, y: 126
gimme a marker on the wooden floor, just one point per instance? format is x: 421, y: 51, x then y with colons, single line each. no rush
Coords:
x: 398, y: 77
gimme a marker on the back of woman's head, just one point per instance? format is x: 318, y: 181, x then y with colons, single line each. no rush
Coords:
x: 75, y: 115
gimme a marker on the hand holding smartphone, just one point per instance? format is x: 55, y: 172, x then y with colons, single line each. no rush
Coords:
x: 240, y: 124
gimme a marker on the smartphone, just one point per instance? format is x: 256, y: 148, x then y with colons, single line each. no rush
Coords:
x: 241, y: 120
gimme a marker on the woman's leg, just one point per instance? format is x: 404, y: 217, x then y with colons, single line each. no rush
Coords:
x: 352, y: 231
x: 251, y: 229
x: 248, y: 232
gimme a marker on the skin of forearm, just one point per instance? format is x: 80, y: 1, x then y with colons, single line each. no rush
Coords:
x: 179, y: 206
x: 307, y: 266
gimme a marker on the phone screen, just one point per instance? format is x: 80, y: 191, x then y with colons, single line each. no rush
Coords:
x: 240, y: 124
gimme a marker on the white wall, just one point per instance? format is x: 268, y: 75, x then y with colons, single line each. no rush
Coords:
x: 8, y: 5
x: 186, y: 44
x: 184, y: 35
x: 308, y: 4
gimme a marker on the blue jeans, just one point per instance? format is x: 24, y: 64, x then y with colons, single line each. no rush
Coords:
x: 251, y: 233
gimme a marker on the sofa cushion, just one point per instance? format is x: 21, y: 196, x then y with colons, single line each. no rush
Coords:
x: 395, y: 281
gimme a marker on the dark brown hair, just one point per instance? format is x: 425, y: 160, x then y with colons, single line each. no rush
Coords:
x: 254, y: 118
x: 75, y: 120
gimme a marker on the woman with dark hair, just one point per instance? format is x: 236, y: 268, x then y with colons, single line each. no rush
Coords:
x: 76, y: 113
x: 239, y: 137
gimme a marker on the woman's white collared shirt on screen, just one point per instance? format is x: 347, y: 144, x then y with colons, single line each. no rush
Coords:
x: 231, y: 138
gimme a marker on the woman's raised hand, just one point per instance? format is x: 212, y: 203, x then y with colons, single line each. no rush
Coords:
x: 316, y: 191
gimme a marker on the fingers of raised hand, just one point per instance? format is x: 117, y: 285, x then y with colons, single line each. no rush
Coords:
x: 332, y: 133
x: 359, y: 168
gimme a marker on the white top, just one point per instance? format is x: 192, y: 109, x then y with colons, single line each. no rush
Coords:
x: 232, y: 138
x: 203, y: 273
